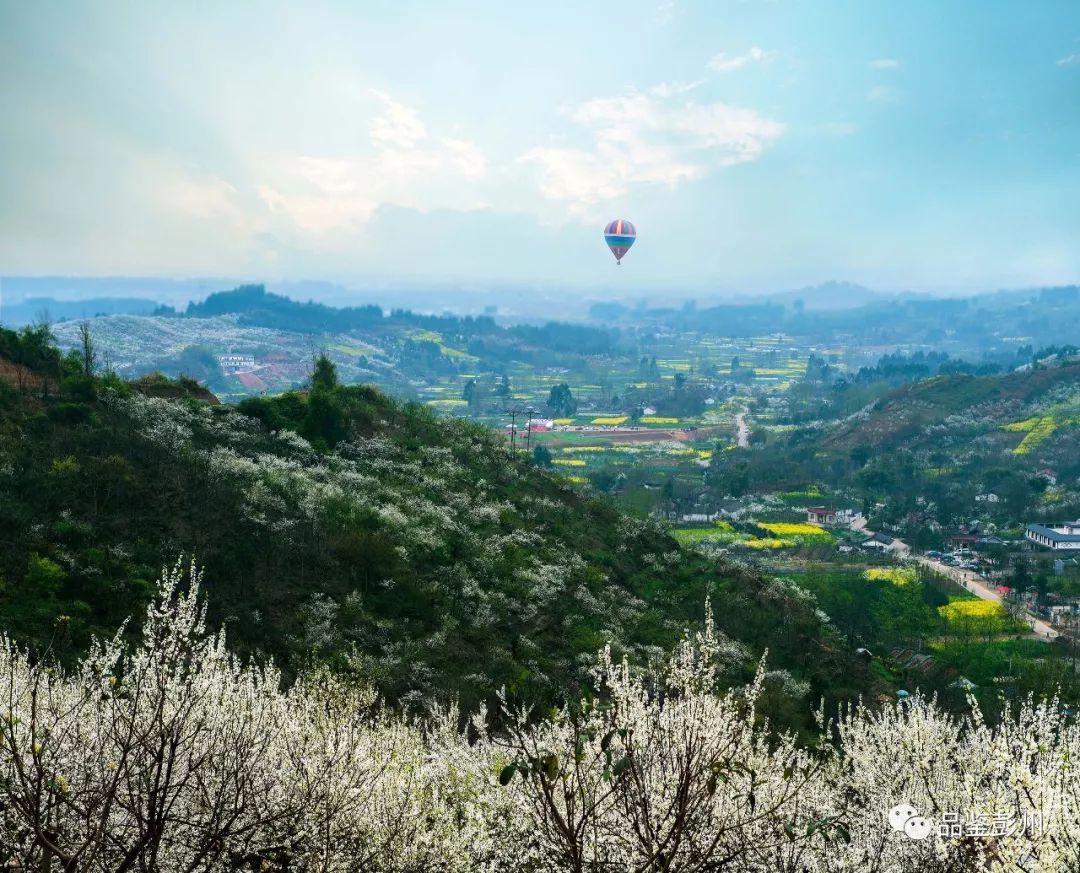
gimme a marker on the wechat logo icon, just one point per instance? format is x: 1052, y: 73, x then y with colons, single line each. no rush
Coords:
x: 906, y: 818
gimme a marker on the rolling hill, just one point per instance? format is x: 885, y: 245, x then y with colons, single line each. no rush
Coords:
x: 956, y: 408
x: 339, y: 525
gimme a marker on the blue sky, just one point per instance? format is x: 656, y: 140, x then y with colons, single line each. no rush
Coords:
x: 928, y: 144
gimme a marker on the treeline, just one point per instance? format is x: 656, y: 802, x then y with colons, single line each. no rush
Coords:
x: 579, y: 338
x: 897, y: 368
x: 482, y: 336
x: 256, y: 306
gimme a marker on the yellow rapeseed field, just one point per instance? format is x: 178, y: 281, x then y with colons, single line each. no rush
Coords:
x: 1042, y: 429
x: 959, y: 610
x: 794, y: 529
x: 896, y: 575
x: 771, y: 543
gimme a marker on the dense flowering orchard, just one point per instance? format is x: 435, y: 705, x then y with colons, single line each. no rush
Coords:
x: 341, y: 526
x: 172, y: 756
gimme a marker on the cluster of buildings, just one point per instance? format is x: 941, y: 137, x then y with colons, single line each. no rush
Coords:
x: 232, y: 364
x: 880, y: 541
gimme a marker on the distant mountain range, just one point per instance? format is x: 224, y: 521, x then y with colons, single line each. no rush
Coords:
x: 828, y: 295
x: 22, y: 297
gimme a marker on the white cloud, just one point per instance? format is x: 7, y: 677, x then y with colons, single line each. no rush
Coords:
x: 642, y: 138
x: 1069, y: 60
x: 723, y: 63
x: 885, y: 64
x: 326, y: 198
x: 398, y: 127
x: 575, y: 175
x: 673, y: 89
x: 467, y: 157
x: 205, y: 198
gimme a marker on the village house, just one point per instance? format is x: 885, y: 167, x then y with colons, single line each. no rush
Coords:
x: 1056, y: 537
x: 963, y: 541
x: 699, y: 517
x: 882, y: 542
x: 828, y: 516
x: 820, y: 515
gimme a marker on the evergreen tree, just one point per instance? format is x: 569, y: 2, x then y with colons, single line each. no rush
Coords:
x: 561, y: 400
x: 324, y: 374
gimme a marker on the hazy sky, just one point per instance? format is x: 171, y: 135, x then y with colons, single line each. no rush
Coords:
x: 932, y: 144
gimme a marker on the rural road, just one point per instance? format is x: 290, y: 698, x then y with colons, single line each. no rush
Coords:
x: 969, y: 580
x: 742, y: 431
x: 981, y: 588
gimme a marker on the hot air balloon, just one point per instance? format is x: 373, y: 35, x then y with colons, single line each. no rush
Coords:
x: 619, y: 235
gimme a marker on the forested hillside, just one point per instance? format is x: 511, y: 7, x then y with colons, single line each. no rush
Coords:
x: 337, y: 524
x: 942, y: 439
x: 918, y: 414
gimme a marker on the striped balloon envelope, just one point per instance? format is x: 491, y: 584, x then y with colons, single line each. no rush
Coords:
x: 619, y: 235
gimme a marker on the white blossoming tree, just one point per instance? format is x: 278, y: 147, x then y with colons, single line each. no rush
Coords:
x: 170, y: 755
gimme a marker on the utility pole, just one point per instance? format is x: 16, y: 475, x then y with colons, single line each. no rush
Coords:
x: 513, y: 413
x: 528, y: 430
